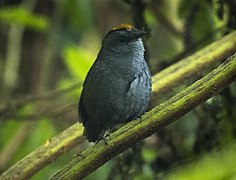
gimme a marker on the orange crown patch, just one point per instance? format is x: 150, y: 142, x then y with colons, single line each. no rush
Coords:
x: 129, y: 27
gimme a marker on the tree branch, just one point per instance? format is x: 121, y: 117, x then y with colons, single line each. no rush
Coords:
x: 159, y: 117
x: 8, y: 109
x: 194, y: 65
x: 162, y: 82
x: 165, y: 21
x: 13, y: 146
x: 45, y: 154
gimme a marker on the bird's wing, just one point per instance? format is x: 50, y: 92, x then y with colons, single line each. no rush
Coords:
x: 82, y: 112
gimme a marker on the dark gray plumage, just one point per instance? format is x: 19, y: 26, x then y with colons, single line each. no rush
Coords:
x: 118, y: 85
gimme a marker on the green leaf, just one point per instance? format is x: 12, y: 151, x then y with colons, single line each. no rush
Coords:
x: 218, y: 165
x: 22, y: 16
x: 78, y: 61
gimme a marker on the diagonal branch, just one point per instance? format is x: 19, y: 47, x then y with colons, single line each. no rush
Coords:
x: 162, y: 82
x: 159, y: 117
x: 8, y: 109
x: 194, y: 65
x: 45, y: 154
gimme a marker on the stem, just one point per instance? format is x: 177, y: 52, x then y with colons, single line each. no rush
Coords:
x: 194, y: 65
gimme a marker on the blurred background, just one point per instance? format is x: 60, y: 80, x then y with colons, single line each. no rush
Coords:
x: 46, y: 50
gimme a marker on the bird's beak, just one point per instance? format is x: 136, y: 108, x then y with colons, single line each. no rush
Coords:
x: 139, y: 34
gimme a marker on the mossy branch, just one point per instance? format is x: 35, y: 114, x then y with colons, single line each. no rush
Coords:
x: 45, y: 154
x: 160, y: 116
x: 194, y: 65
x: 168, y: 78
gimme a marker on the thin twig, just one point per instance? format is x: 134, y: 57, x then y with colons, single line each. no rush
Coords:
x: 46, y: 153
x: 13, y: 105
x: 165, y: 21
x: 194, y: 65
x: 13, y: 146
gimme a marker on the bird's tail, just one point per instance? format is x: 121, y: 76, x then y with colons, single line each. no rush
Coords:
x: 93, y: 133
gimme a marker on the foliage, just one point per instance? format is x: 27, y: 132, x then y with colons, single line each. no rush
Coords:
x: 23, y: 17
x: 218, y: 165
x: 78, y: 61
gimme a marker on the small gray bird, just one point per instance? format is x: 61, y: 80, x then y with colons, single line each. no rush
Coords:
x: 118, y: 85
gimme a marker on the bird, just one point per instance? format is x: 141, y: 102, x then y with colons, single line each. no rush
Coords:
x: 117, y: 87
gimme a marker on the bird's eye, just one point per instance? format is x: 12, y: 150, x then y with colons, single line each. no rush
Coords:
x: 122, y: 38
